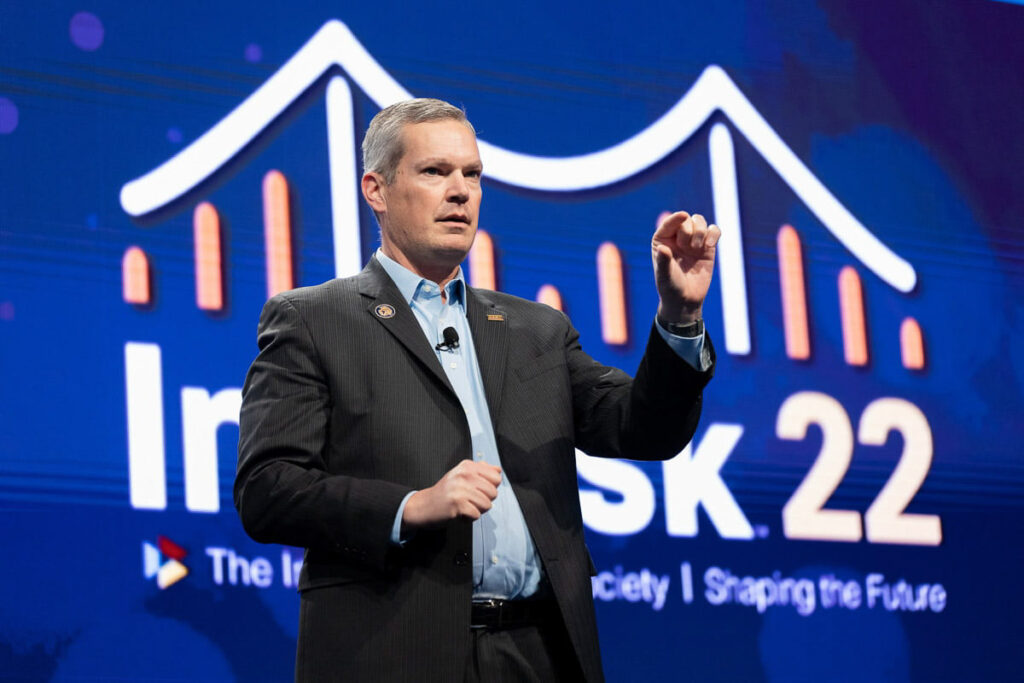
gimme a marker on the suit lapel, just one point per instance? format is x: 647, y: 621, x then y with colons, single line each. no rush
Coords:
x: 389, y: 308
x: 489, y: 325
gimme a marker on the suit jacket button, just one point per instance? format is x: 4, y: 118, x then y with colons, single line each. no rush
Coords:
x: 462, y: 559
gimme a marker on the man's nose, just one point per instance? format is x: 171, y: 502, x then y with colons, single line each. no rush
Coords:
x: 458, y: 188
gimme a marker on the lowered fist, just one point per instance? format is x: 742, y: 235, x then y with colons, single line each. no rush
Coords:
x: 467, y: 491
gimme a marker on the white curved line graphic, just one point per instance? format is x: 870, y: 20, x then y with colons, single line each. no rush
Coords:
x: 334, y: 44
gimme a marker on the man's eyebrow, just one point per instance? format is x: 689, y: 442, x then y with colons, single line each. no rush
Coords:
x: 434, y: 161
x: 444, y: 161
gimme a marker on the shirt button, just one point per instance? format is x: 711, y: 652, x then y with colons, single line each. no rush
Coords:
x: 480, y: 455
x: 494, y: 559
x: 453, y: 365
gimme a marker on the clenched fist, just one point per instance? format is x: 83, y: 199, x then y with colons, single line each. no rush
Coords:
x: 467, y: 490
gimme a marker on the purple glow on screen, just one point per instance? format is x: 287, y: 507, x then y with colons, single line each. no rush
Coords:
x: 6, y: 310
x: 8, y: 116
x: 174, y: 135
x: 253, y: 53
x: 86, y: 31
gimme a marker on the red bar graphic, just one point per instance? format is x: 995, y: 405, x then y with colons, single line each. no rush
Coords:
x: 794, y: 294
x: 549, y: 294
x: 277, y: 228
x: 209, y: 275
x: 481, y: 262
x: 611, y: 289
x: 851, y: 309
x: 170, y: 548
x: 911, y: 344
x: 135, y: 276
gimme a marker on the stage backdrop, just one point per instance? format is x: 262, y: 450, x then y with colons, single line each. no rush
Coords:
x: 851, y: 507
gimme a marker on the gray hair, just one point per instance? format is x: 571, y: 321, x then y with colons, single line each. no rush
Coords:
x: 383, y: 146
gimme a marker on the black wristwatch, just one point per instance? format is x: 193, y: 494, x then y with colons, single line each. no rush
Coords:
x: 694, y: 329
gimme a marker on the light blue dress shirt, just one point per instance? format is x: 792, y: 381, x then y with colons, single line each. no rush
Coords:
x: 505, y: 561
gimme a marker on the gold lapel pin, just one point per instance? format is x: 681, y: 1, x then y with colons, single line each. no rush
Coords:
x: 384, y: 311
x: 496, y: 317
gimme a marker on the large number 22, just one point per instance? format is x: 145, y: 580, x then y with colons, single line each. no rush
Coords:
x: 885, y: 520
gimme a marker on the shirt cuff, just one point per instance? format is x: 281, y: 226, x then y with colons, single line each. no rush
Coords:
x: 690, y: 349
x: 396, y: 528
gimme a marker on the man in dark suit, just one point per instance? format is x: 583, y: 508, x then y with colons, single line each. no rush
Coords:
x: 417, y: 436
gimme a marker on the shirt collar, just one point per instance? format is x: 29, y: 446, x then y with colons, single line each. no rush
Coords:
x: 409, y: 283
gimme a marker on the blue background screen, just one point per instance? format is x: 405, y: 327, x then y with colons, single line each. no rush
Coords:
x: 852, y: 511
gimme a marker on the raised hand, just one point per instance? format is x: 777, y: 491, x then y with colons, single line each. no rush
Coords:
x: 683, y: 251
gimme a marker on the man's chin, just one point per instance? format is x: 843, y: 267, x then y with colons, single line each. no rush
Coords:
x: 445, y: 256
x: 455, y: 246
x: 452, y: 255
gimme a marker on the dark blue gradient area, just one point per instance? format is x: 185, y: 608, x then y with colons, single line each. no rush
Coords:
x: 908, y: 113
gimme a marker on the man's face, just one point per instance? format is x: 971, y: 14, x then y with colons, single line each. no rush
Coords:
x: 432, y: 207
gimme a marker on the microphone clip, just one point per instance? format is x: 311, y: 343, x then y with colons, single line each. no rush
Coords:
x: 451, y: 340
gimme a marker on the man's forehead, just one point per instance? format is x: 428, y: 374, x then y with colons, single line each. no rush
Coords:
x: 443, y: 138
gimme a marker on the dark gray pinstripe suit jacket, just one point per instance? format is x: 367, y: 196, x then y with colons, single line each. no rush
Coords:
x: 344, y: 413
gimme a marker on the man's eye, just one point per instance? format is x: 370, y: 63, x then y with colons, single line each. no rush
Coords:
x: 432, y: 171
x: 472, y: 174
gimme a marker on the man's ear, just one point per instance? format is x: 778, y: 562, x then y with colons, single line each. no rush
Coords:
x: 373, y: 191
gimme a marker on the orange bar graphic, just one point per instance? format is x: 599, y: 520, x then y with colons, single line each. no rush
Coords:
x: 481, y: 262
x: 851, y: 309
x: 794, y: 294
x: 549, y: 294
x: 611, y: 289
x: 277, y: 230
x: 911, y: 344
x: 135, y: 276
x: 209, y: 275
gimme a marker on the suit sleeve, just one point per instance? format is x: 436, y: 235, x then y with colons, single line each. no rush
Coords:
x: 650, y: 417
x: 283, y: 490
